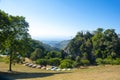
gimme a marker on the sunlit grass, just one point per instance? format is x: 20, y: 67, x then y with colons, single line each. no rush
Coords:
x: 109, y: 72
x: 1, y: 59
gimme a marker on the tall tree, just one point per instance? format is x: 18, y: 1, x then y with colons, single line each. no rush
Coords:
x: 14, y: 32
x: 38, y: 53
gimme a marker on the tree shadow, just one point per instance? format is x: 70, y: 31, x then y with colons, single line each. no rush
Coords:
x: 25, y: 75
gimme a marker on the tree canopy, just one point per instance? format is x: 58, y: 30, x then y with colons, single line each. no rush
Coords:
x: 101, y: 44
x: 14, y: 35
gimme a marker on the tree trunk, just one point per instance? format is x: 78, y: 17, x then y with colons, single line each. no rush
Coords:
x: 10, y: 64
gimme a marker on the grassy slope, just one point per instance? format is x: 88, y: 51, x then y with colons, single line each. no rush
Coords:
x: 91, y: 73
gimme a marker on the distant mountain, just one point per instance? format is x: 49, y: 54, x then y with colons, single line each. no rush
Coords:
x: 57, y: 44
x: 51, y: 43
x: 62, y: 44
x: 49, y: 47
x: 40, y: 44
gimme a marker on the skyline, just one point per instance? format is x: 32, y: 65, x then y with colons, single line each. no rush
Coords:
x: 62, y: 19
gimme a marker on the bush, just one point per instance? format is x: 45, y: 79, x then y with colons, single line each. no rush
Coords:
x: 53, y: 54
x: 99, y: 61
x: 76, y: 64
x: 67, y: 63
x: 38, y: 53
x: 85, y: 62
x: 54, y: 61
x: 42, y: 62
x: 116, y: 61
x: 108, y: 61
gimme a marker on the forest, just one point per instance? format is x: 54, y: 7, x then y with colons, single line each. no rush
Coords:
x: 98, y: 47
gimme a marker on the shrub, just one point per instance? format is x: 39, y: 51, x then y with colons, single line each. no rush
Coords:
x: 116, y: 61
x: 99, y: 61
x: 54, y: 61
x: 76, y: 64
x: 85, y: 62
x: 42, y: 62
x: 67, y: 63
x: 108, y: 61
x: 38, y: 53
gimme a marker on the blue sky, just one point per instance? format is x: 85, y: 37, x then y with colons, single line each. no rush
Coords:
x: 62, y: 19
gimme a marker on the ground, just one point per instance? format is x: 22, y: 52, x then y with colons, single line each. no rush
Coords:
x: 109, y: 72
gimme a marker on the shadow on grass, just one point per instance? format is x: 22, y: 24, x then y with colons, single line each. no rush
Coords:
x: 24, y: 75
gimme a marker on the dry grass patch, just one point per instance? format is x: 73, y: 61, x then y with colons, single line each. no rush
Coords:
x: 108, y: 72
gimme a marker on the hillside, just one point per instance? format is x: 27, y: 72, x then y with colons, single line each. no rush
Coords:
x: 62, y: 44
x: 57, y: 44
x: 101, y: 47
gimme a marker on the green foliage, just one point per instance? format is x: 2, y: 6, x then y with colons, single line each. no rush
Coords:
x: 77, y: 59
x: 80, y: 46
x: 7, y: 59
x: 95, y: 47
x: 13, y: 35
x: 38, y: 53
x: 34, y: 44
x: 85, y: 62
x: 67, y: 63
x: 99, y: 61
x: 42, y: 62
x: 53, y: 54
x: 108, y: 60
x: 76, y: 64
x: 54, y: 61
x: 115, y: 61
x: 118, y: 61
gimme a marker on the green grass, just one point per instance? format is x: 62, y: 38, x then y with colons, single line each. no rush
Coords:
x: 1, y: 59
x: 109, y: 72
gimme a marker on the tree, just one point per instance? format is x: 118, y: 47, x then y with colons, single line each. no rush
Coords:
x: 54, y: 61
x: 53, y: 54
x: 112, y: 43
x: 67, y: 63
x: 77, y: 62
x: 85, y: 62
x: 4, y: 22
x: 100, y: 61
x: 34, y: 44
x: 100, y: 44
x: 98, y: 40
x: 14, y: 34
x: 42, y: 62
x: 38, y: 53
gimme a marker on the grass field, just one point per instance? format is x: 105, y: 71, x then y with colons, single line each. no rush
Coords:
x: 21, y: 72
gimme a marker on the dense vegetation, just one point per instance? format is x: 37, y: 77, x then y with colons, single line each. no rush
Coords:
x: 98, y: 47
x: 13, y: 36
x: 86, y: 48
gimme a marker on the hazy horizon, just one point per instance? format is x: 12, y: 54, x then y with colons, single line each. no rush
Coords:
x: 62, y: 19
